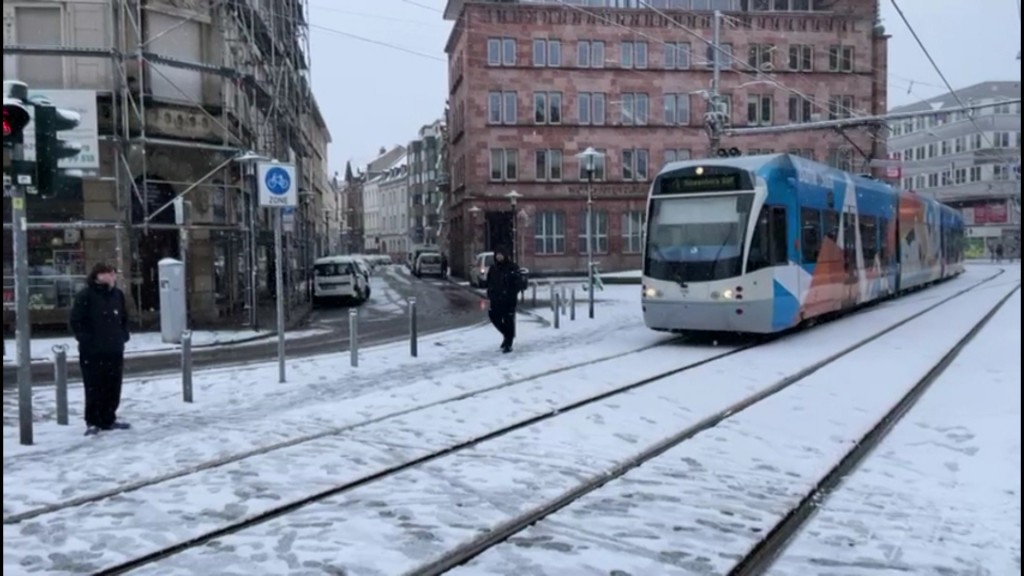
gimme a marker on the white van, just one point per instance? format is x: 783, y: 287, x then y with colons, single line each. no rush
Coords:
x: 478, y: 273
x: 339, y: 278
x: 428, y: 264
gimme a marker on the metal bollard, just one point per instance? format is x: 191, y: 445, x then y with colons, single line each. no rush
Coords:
x: 413, y: 342
x: 563, y: 300
x: 60, y: 376
x: 558, y: 311
x: 353, y: 336
x: 552, y: 302
x: 186, y: 366
x: 572, y: 305
x: 533, y: 295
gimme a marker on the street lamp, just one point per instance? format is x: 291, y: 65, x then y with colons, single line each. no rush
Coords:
x: 590, y: 157
x: 513, y: 199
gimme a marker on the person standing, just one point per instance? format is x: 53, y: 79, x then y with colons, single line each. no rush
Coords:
x: 503, y: 287
x: 99, y: 321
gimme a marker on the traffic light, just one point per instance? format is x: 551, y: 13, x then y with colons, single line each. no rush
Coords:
x: 50, y: 121
x: 16, y: 117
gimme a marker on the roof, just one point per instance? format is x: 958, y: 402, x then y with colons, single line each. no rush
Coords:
x: 386, y: 160
x: 984, y: 91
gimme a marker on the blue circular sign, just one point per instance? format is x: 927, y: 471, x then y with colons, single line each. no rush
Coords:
x: 278, y: 181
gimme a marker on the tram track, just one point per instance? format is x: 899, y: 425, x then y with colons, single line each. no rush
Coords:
x: 496, y: 536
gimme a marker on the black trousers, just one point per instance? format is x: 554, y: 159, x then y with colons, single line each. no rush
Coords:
x: 102, y: 375
x: 505, y: 322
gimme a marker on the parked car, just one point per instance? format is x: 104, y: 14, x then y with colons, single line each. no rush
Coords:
x: 478, y: 273
x: 428, y: 264
x: 339, y: 278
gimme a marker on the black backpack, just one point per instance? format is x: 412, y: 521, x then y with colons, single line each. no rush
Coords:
x: 522, y: 281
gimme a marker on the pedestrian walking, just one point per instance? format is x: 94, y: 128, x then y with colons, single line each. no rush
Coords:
x: 444, y: 266
x: 504, y: 282
x: 999, y: 253
x: 99, y: 320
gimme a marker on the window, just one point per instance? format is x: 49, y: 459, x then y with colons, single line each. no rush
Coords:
x: 945, y: 148
x: 868, y: 238
x: 801, y: 58
x: 800, y: 110
x: 547, y: 53
x: 591, y: 108
x: 600, y: 233
x: 590, y: 54
x: 723, y: 54
x: 810, y: 235
x: 830, y: 225
x: 677, y: 109
x: 504, y: 164
x: 677, y: 155
x: 600, y: 167
x: 547, y: 107
x: 840, y: 107
x: 501, y: 52
x: 634, y: 55
x: 760, y: 57
x: 548, y: 165
x: 677, y: 56
x: 840, y: 59
x: 636, y: 165
x: 841, y: 158
x: 549, y: 233
x: 502, y: 108
x: 760, y: 151
x: 633, y: 232
x: 768, y: 246
x: 1002, y: 140
x: 759, y: 110
x: 38, y: 26
x: 635, y: 108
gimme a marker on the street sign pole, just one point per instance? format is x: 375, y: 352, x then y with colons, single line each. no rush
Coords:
x: 277, y: 190
x: 23, y: 325
x: 279, y: 283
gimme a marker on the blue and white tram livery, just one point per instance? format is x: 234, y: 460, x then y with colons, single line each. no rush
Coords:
x: 763, y: 244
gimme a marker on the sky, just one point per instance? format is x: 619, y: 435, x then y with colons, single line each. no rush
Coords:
x: 380, y: 72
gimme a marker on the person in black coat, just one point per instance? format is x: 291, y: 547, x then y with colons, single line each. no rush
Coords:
x: 503, y: 281
x: 99, y: 320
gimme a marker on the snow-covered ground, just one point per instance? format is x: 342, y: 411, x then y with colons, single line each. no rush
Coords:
x: 941, y: 494
x: 144, y: 343
x: 386, y: 527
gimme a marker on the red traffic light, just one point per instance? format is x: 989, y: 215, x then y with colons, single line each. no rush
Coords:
x: 7, y: 126
x: 15, y: 118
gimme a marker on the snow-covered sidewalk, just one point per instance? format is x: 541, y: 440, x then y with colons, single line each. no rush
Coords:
x: 941, y: 494
x: 246, y: 409
x: 147, y: 343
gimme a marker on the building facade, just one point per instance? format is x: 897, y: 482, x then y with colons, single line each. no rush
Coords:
x: 424, y: 196
x: 394, y: 210
x: 353, y: 232
x: 169, y: 93
x: 971, y: 162
x: 531, y: 85
x: 373, y: 202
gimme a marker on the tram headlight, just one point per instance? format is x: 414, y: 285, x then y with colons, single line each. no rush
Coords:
x: 728, y: 294
x: 651, y: 292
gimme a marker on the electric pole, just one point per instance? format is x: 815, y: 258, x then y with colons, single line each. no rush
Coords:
x: 716, y: 115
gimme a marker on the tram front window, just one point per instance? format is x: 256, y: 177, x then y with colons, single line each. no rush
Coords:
x: 697, y: 239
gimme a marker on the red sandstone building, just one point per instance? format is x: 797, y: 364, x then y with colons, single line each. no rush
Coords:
x: 532, y: 84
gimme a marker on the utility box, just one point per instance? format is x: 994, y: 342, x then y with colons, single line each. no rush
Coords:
x: 173, y: 300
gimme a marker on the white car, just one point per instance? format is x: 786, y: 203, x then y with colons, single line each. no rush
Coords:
x: 339, y: 278
x: 429, y: 264
x: 478, y: 273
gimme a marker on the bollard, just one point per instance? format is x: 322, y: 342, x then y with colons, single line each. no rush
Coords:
x: 186, y: 366
x: 533, y: 295
x: 558, y: 311
x: 353, y: 336
x: 563, y: 300
x: 572, y: 305
x: 413, y: 343
x: 60, y: 376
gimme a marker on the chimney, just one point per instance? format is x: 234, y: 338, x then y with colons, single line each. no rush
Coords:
x: 383, y: 151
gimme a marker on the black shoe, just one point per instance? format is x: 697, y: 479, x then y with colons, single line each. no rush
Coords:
x: 118, y: 426
x: 92, y: 430
x: 506, y: 348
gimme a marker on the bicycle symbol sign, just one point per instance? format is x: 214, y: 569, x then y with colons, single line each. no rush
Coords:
x: 277, y: 185
x: 278, y: 181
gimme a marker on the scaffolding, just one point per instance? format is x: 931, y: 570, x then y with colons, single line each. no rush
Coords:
x: 255, y: 93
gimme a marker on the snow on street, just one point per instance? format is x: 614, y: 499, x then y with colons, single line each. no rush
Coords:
x: 400, y: 522
x: 941, y: 495
x: 711, y: 499
x: 246, y: 409
x: 402, y: 410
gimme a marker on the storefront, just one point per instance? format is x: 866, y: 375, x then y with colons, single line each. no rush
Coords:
x: 56, y: 258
